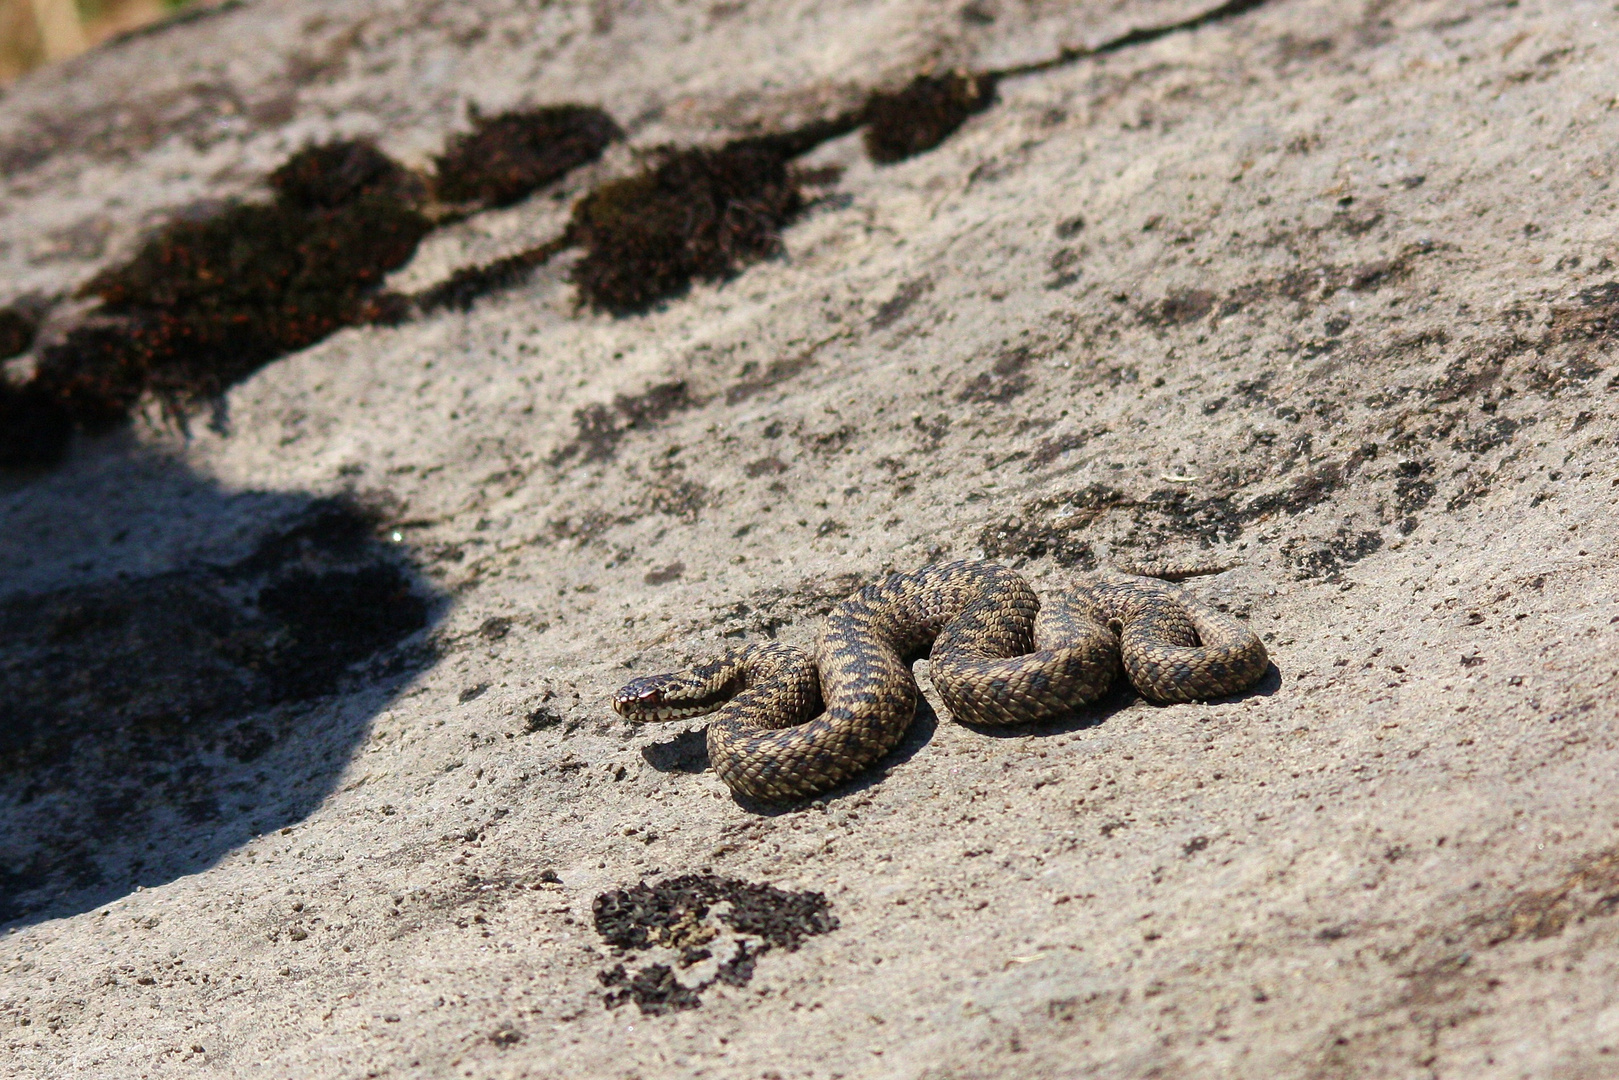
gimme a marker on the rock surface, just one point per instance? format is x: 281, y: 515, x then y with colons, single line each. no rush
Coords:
x: 309, y: 769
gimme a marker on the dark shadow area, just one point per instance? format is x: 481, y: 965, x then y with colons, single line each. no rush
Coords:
x: 1268, y: 684
x: 685, y: 753
x: 180, y: 677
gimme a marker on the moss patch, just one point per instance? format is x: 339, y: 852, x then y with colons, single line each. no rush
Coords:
x: 206, y: 303
x: 505, y: 158
x: 463, y: 288
x: 694, y: 214
x: 924, y: 114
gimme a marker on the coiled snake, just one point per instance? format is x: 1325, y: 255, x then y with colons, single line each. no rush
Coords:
x: 998, y: 656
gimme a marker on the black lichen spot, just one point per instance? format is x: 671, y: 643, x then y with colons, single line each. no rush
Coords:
x: 924, y: 114
x: 540, y: 718
x: 738, y: 970
x: 894, y: 308
x: 1004, y: 381
x: 775, y: 373
x: 765, y: 466
x: 1494, y: 432
x: 1051, y: 527
x: 1056, y: 525
x: 1068, y: 228
x: 1180, y: 307
x: 1048, y: 450
x: 655, y: 990
x: 600, y: 429
x: 1064, y: 267
x: 1551, y: 379
x: 674, y: 914
x: 781, y: 919
x: 1326, y: 559
x: 1312, y: 488
x: 504, y: 158
x: 664, y: 575
x: 1594, y: 315
x: 506, y: 1036
x: 1377, y: 273
x: 1411, y: 492
x: 682, y: 499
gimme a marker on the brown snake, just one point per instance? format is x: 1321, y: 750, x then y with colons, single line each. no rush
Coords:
x: 998, y: 656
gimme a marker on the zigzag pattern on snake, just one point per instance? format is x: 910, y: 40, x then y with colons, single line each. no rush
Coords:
x: 789, y: 724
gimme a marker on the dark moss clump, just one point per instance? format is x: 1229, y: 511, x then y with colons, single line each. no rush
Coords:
x: 694, y: 214
x: 506, y: 157
x: 924, y: 114
x: 206, y: 303
x: 335, y: 175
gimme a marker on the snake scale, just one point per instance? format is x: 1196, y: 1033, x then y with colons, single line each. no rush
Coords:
x: 789, y: 724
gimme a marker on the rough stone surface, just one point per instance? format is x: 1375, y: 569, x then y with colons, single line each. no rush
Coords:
x: 1325, y: 290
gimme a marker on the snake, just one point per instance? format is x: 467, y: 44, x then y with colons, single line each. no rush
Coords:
x: 788, y: 724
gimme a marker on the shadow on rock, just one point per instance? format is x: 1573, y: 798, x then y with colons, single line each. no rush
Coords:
x: 685, y: 753
x: 1268, y: 684
x: 193, y: 673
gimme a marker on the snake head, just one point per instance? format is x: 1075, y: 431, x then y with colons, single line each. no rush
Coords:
x: 639, y: 700
x: 665, y: 697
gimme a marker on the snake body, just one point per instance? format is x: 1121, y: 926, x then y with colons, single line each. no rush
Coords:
x: 789, y: 724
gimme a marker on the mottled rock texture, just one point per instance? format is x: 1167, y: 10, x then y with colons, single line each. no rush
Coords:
x: 306, y: 765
